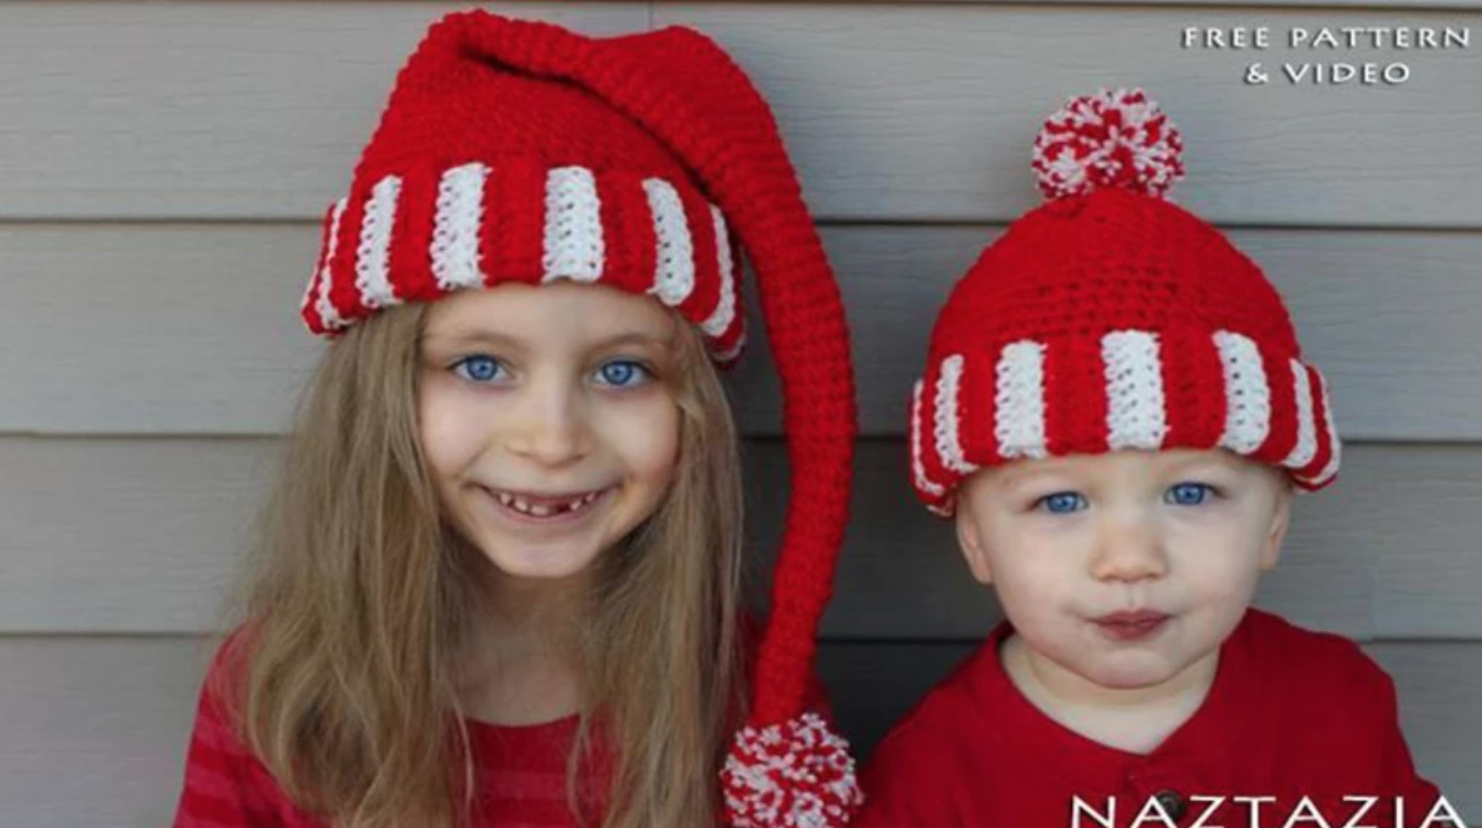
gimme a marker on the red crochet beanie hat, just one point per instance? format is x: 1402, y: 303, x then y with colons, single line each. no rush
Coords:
x: 1110, y: 319
x: 518, y: 151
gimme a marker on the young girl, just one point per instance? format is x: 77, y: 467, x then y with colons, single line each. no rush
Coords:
x: 1116, y: 411
x: 497, y: 578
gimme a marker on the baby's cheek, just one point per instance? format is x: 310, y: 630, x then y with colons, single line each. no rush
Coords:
x: 1034, y: 586
x: 1227, y: 581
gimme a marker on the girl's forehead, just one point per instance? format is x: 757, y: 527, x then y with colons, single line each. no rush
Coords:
x: 565, y: 311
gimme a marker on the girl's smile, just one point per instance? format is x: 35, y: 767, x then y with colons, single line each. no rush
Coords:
x: 548, y: 419
x: 546, y: 509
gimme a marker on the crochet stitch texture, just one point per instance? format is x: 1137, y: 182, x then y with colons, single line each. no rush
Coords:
x: 1110, y: 318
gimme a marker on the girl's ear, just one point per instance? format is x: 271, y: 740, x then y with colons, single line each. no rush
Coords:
x: 1280, y: 521
x: 970, y: 539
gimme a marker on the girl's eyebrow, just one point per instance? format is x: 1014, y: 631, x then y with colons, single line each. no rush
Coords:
x: 468, y: 338
x: 505, y: 342
x: 634, y: 338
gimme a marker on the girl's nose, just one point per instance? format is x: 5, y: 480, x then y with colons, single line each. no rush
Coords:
x: 1129, y: 549
x: 551, y: 427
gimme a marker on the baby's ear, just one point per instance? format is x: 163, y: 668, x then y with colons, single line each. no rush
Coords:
x: 971, y: 542
x: 1281, y: 518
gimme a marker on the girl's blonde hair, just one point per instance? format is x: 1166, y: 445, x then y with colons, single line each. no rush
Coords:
x: 358, y: 599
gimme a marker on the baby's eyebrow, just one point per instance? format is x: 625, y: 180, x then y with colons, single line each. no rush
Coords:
x: 1202, y: 464
x: 1021, y: 475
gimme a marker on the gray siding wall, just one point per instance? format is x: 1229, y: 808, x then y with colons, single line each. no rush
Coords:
x: 162, y: 167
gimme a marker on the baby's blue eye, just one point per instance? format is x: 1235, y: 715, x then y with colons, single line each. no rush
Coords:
x: 622, y: 373
x: 478, y: 368
x: 1188, y: 494
x: 1062, y: 503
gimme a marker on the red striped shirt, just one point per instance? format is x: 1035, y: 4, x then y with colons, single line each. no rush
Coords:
x: 520, y: 772
x: 519, y: 781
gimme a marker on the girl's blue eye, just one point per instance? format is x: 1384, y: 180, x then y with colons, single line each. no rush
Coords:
x: 1062, y: 503
x: 622, y: 373
x: 1188, y: 494
x: 478, y: 368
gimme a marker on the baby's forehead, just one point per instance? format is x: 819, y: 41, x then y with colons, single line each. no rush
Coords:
x: 1127, y: 461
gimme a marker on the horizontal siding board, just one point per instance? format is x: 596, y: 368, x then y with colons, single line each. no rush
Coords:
x: 1440, y: 691
x: 124, y: 536
x: 908, y: 111
x: 93, y: 730
x: 1419, y: 592
x: 142, y: 329
x: 199, y: 109
x: 194, y: 329
x: 1388, y: 317
x: 896, y: 112
x: 143, y: 536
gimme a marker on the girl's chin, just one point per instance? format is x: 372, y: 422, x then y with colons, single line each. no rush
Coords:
x: 541, y: 571
x: 519, y: 556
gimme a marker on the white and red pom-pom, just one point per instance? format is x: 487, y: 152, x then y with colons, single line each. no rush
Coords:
x: 794, y: 774
x: 1113, y: 139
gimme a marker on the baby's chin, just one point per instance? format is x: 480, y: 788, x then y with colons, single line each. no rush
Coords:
x: 1128, y: 671
x: 1129, y: 679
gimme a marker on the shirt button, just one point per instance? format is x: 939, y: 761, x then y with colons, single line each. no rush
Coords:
x: 1172, y: 802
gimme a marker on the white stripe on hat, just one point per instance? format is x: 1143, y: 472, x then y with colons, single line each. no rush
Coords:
x: 1019, y: 421
x: 948, y: 427
x: 918, y: 467
x: 455, y: 237
x: 1247, y: 393
x: 725, y: 307
x: 734, y: 351
x: 1136, y: 414
x: 1306, y: 447
x: 373, y: 256
x: 327, y: 313
x: 573, y: 226
x: 674, y: 273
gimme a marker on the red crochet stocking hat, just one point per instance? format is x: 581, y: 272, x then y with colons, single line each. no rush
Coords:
x: 516, y: 151
x: 1111, y: 319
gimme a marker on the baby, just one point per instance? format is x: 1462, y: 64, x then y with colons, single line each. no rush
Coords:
x: 1116, y: 412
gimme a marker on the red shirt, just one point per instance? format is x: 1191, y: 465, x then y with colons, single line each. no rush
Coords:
x: 519, y: 782
x: 1291, y: 714
x: 520, y: 772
